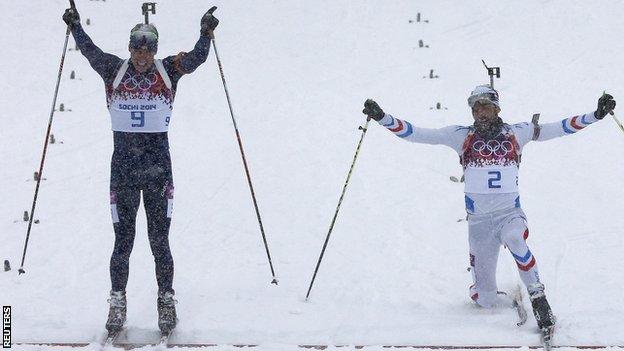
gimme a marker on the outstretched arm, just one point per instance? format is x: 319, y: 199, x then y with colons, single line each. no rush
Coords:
x: 104, y: 64
x: 568, y: 126
x: 187, y: 62
x: 451, y: 136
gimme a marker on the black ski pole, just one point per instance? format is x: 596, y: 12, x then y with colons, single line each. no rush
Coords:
x: 45, y: 144
x: 240, y: 146
x: 344, y: 189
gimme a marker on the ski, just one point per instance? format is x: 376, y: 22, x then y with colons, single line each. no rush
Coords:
x: 131, y: 346
x: 111, y: 337
x: 519, y: 306
x: 164, y: 338
x: 515, y: 303
x: 547, y: 335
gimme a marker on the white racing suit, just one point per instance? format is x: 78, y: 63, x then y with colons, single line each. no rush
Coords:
x: 491, y: 191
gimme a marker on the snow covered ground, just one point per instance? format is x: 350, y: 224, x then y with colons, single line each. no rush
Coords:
x: 298, y: 72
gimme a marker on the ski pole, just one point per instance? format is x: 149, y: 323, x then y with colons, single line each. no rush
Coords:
x: 344, y: 189
x: 617, y: 121
x: 240, y: 146
x: 45, y: 144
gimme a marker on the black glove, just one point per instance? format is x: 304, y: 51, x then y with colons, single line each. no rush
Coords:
x: 71, y: 17
x: 372, y: 110
x: 606, y: 104
x: 209, y: 22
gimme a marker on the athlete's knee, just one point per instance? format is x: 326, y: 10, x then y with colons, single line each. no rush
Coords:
x: 514, y: 236
x: 120, y: 259
x: 163, y: 261
x: 515, y: 241
x: 123, y: 247
x: 161, y: 250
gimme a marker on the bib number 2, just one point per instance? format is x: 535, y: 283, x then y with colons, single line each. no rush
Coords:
x: 494, y: 179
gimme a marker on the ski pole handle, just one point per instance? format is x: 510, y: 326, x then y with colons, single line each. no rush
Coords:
x: 210, y: 27
x: 72, y: 4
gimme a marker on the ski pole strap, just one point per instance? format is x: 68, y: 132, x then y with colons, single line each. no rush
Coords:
x: 536, y: 127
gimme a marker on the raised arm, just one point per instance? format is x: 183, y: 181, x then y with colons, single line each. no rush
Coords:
x: 525, y: 132
x: 106, y: 65
x: 451, y: 136
x: 187, y: 62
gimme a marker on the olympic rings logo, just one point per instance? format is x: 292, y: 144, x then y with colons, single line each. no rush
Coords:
x: 140, y: 82
x: 493, y: 147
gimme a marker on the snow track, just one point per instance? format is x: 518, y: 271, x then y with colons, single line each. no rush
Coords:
x: 130, y: 346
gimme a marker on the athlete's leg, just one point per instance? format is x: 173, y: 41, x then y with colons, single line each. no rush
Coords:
x: 514, y: 235
x: 484, y: 249
x: 124, y: 205
x: 158, y: 199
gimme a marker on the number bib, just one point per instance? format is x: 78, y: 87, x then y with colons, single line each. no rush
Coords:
x: 494, y: 180
x: 491, y: 165
x: 139, y: 116
x: 141, y: 102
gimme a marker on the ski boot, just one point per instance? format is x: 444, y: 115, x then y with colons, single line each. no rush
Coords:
x: 543, y: 314
x: 541, y: 309
x: 167, y: 318
x: 117, y: 311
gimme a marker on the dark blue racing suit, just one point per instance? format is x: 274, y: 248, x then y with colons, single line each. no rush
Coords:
x: 141, y: 161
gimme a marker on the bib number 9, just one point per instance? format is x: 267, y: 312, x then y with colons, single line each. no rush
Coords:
x: 138, y: 116
x: 495, y: 177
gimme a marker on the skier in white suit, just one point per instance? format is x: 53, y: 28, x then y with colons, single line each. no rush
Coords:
x: 490, y: 153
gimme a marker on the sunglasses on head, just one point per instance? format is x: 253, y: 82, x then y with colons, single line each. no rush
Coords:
x: 147, y: 40
x: 488, y: 98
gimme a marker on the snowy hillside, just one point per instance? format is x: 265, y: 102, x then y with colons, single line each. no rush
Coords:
x: 298, y: 73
